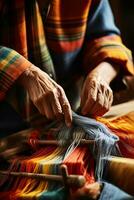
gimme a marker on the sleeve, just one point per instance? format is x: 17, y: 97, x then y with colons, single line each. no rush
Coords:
x: 12, y: 65
x: 112, y: 192
x: 103, y: 41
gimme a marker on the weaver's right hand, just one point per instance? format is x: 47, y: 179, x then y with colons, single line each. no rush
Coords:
x: 46, y: 94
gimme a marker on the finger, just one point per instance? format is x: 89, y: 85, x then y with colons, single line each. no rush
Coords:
x: 55, y: 104
x: 89, y: 91
x: 100, y: 112
x: 101, y: 102
x: 105, y: 105
x: 65, y: 107
x: 35, y: 92
x: 110, y: 100
x: 92, y: 95
x: 48, y: 110
x: 98, y: 107
x: 44, y: 107
x: 84, y: 95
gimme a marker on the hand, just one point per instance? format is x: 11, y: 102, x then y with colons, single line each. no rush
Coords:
x: 97, y: 96
x: 46, y: 94
x: 89, y: 192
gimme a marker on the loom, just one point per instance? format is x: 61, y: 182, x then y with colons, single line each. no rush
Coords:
x: 10, y: 152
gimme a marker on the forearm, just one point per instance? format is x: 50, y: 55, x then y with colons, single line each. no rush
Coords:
x: 103, y: 41
x: 106, y: 70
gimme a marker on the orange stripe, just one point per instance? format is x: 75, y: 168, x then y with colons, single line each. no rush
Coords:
x: 65, y: 46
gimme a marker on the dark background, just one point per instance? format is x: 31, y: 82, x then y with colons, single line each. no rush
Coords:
x: 124, y: 17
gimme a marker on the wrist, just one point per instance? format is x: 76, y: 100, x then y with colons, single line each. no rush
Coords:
x: 26, y: 75
x: 105, y: 70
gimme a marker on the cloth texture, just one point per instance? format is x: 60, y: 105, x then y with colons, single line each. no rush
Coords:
x: 111, y: 192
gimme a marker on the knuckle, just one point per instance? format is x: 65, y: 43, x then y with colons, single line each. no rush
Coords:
x: 93, y: 99
x: 60, y: 90
x: 65, y: 105
x: 111, y: 100
x: 106, y: 108
x: 102, y: 84
x: 59, y: 115
x: 38, y: 100
x: 110, y: 93
x: 109, y: 90
x: 50, y: 116
x: 93, y: 83
x: 91, y: 96
x: 101, y: 104
x: 51, y: 93
x: 46, y: 95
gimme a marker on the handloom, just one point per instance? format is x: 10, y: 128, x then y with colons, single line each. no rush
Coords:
x: 85, y: 160
x: 80, y: 151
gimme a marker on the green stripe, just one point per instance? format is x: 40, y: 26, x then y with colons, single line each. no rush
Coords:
x: 66, y: 37
x: 5, y: 52
x: 11, y: 61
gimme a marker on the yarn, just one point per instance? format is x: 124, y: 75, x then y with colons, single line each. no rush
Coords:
x: 123, y: 127
x: 87, y: 161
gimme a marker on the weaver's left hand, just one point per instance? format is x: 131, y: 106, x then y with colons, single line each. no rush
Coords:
x: 89, y: 192
x: 97, y: 96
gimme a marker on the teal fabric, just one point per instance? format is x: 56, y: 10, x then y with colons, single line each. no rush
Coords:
x: 60, y: 194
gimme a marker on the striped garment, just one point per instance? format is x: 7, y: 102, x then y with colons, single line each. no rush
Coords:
x: 69, y: 40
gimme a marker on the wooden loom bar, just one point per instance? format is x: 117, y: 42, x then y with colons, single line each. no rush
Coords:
x: 57, y: 143
x: 9, y: 153
x: 68, y: 180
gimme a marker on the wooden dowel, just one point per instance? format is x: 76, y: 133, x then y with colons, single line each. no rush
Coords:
x: 77, y: 181
x: 64, y: 173
x: 11, y: 152
x: 86, y: 142
x: 57, y: 143
x: 32, y: 175
x: 72, y: 180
